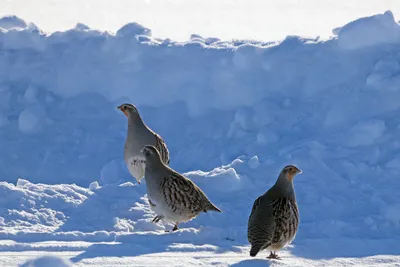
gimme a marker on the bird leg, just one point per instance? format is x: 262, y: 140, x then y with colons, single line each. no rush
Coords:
x: 273, y: 255
x: 173, y: 229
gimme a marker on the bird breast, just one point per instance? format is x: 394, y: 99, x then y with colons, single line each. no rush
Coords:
x: 286, y: 216
x: 136, y: 166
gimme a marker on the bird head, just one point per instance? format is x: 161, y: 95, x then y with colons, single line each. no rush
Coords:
x: 290, y: 172
x: 150, y: 152
x: 128, y: 109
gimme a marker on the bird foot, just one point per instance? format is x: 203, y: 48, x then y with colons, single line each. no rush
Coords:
x: 273, y: 256
x: 173, y: 229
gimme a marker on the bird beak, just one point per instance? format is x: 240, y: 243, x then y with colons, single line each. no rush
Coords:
x: 299, y: 171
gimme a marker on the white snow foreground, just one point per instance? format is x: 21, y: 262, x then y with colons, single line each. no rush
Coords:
x: 331, y: 107
x: 111, y: 225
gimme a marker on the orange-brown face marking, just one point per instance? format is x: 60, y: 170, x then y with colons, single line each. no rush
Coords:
x: 124, y: 110
x: 290, y: 176
x: 291, y: 172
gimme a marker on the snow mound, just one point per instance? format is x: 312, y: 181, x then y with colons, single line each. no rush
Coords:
x: 133, y: 29
x: 37, y: 207
x: 369, y: 31
x: 12, y: 22
x: 47, y: 261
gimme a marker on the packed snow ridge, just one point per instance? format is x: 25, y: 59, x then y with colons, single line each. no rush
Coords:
x: 232, y: 113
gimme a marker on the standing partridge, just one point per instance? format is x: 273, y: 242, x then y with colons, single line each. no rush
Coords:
x: 172, y: 196
x: 274, y: 218
x: 139, y: 135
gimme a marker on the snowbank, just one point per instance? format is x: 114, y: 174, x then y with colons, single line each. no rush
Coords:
x: 210, y: 99
x: 12, y: 22
x: 232, y: 114
x: 369, y: 31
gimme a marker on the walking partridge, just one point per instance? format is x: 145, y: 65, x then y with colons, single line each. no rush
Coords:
x: 172, y: 196
x: 274, y: 218
x: 139, y: 135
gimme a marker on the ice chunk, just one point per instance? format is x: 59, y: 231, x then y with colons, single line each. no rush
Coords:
x: 94, y: 186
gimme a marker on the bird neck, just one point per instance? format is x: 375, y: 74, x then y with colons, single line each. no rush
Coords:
x: 135, y: 123
x: 153, y: 164
x: 284, y: 186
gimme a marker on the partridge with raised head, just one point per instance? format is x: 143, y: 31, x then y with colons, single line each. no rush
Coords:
x: 140, y: 135
x: 274, y: 218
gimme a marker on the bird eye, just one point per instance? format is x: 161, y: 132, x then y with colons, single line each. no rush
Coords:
x: 290, y: 169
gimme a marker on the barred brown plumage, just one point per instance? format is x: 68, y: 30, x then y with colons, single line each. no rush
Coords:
x: 139, y: 135
x: 274, y: 218
x: 162, y: 148
x: 175, y: 197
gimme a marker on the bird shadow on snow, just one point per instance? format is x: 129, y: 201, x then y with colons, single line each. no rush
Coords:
x: 317, y: 249
x: 252, y: 263
x: 184, y: 240
x: 100, y: 210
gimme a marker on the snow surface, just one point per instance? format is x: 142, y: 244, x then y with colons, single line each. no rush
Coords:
x: 232, y: 113
x: 47, y: 261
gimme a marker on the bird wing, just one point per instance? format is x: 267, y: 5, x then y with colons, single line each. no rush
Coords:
x: 261, y: 224
x: 183, y: 194
x: 162, y: 148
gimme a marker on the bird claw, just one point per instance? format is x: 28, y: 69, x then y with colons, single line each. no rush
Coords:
x: 273, y: 256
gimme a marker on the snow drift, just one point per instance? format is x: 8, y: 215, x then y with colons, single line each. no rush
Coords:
x: 329, y: 106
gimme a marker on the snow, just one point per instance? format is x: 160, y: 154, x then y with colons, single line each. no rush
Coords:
x: 31, y: 119
x: 133, y: 29
x: 47, y: 261
x: 369, y: 31
x: 12, y: 22
x: 232, y: 113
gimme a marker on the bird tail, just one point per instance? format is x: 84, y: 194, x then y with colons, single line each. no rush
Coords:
x: 212, y: 207
x: 254, y: 250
